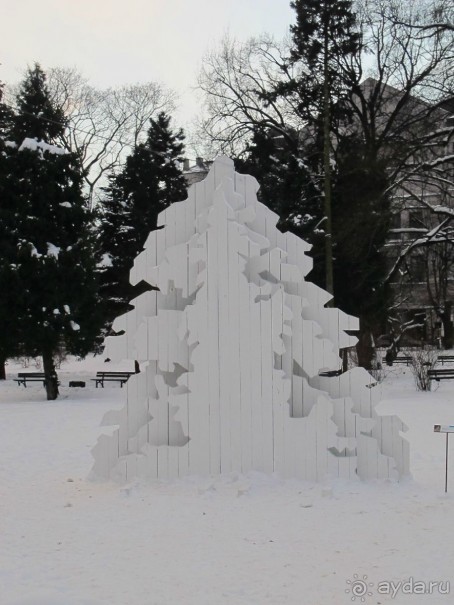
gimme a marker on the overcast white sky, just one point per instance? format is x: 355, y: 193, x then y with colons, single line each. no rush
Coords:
x: 127, y: 41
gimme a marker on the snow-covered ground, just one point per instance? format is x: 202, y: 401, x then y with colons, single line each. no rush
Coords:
x: 236, y: 539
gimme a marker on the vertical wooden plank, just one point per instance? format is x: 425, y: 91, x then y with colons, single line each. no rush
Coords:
x: 181, y: 236
x: 240, y: 187
x: 207, y: 299
x: 160, y: 245
x: 267, y: 361
x: 246, y: 353
x: 173, y: 462
x: 138, y: 270
x: 151, y: 256
x: 199, y: 453
x: 163, y: 340
x: 189, y: 214
x: 296, y: 457
x: 170, y: 228
x: 233, y: 344
x: 163, y: 461
x: 224, y: 352
x: 251, y: 187
x: 257, y: 435
x: 132, y: 409
x: 118, y: 472
x: 161, y: 412
x: 145, y: 468
x: 197, y: 381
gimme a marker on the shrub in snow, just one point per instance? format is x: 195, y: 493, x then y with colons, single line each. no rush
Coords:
x: 422, y: 360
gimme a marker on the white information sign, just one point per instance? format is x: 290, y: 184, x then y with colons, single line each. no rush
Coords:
x: 444, y: 428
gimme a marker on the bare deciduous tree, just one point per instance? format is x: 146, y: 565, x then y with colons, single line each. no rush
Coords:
x: 401, y: 87
x: 401, y: 97
x: 104, y: 124
x: 236, y: 79
x: 405, y: 111
x: 439, y: 17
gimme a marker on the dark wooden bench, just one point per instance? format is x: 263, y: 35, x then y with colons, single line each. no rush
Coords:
x: 447, y: 358
x: 102, y: 377
x: 24, y: 377
x: 441, y: 374
x: 330, y: 373
x: 403, y: 359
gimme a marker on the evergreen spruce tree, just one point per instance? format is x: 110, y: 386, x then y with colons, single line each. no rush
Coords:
x: 48, y: 259
x: 37, y: 117
x: 361, y: 223
x: 355, y: 208
x: 9, y: 299
x: 324, y: 37
x: 149, y: 182
x: 287, y: 184
x: 9, y: 342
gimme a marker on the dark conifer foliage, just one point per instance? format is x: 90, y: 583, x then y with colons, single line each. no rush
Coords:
x: 10, y: 302
x: 8, y: 339
x: 324, y: 37
x: 47, y: 245
x: 355, y: 209
x: 325, y: 42
x: 361, y: 223
x: 150, y: 181
x: 6, y: 116
x: 287, y: 183
x: 37, y: 117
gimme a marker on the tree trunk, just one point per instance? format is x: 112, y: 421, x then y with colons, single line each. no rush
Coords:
x: 448, y: 327
x: 329, y: 285
x: 365, y: 349
x: 51, y: 378
x: 344, y: 357
x: 2, y: 368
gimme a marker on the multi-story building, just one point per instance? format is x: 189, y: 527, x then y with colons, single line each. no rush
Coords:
x: 421, y: 241
x: 423, y: 283
x: 197, y: 172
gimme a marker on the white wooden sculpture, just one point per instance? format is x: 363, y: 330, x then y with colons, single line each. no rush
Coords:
x: 231, y: 347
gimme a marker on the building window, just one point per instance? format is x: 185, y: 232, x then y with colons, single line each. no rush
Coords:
x: 419, y: 318
x: 416, y: 219
x: 417, y: 268
x: 396, y: 221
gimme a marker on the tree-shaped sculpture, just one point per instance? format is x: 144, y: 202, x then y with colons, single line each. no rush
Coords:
x: 231, y: 347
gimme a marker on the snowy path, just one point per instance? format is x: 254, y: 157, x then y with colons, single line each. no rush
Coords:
x: 238, y: 540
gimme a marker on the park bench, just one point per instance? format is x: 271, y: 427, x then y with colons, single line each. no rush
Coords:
x: 403, y: 359
x: 447, y: 358
x: 330, y: 373
x: 441, y: 374
x: 102, y: 377
x: 24, y: 377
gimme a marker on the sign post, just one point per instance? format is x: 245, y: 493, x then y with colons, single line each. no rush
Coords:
x: 440, y: 428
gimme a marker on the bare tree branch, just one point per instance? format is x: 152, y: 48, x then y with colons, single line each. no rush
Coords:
x: 104, y: 124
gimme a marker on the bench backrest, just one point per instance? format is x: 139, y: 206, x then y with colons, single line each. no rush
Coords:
x: 25, y: 374
x: 102, y: 374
